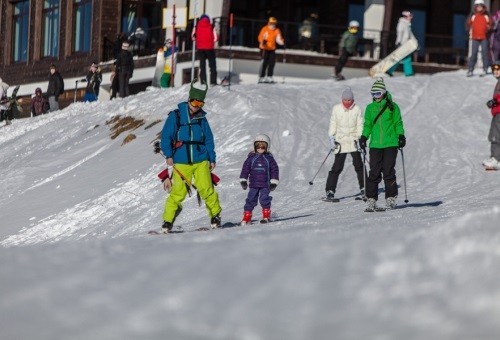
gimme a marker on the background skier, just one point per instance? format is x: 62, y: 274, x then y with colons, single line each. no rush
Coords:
x: 494, y: 134
x: 268, y: 37
x: 347, y: 46
x: 404, y: 33
x: 206, y: 36
x: 479, y: 23
x: 94, y: 79
x: 39, y: 104
x: 384, y: 126
x: 55, y: 88
x: 262, y: 172
x: 188, y: 145
x: 124, y: 69
x: 168, y: 50
x: 346, y: 125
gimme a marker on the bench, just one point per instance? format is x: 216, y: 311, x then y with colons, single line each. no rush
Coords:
x: 458, y: 53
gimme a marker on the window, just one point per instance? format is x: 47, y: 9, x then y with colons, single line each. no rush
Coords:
x: 50, y: 34
x: 83, y: 25
x: 20, y: 22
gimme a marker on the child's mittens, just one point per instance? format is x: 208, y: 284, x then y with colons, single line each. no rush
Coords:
x: 244, y: 184
x: 274, y: 184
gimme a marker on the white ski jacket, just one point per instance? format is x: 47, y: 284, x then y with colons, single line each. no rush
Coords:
x: 346, y: 125
x: 404, y: 32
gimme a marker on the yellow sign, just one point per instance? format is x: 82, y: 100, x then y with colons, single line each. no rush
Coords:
x: 180, y: 17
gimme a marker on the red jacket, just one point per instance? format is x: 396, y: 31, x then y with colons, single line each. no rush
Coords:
x: 204, y: 34
x: 479, y: 24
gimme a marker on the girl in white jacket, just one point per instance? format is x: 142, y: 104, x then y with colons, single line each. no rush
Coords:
x: 346, y: 126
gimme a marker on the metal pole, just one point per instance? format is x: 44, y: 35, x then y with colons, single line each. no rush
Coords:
x: 172, y: 46
x: 404, y: 173
x: 194, y: 39
x: 230, y: 50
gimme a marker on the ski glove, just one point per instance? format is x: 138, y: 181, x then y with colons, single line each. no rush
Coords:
x: 156, y: 146
x: 491, y: 103
x: 402, y: 141
x: 273, y: 186
x: 332, y: 142
x: 244, y: 184
x: 362, y: 142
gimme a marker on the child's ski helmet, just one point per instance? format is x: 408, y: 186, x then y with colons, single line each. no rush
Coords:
x: 262, y: 138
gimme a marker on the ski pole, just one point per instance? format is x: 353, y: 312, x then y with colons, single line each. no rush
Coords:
x: 188, y: 185
x: 404, y: 174
x: 284, y: 62
x: 363, y: 153
x: 312, y: 181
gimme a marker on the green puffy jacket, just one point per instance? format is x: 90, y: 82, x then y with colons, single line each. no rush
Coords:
x: 388, y: 127
x: 349, y: 42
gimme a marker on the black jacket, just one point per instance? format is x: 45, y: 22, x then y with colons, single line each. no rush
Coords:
x: 125, y: 62
x: 94, y: 80
x: 56, y: 85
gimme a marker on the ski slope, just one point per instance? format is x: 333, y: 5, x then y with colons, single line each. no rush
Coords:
x: 76, y: 261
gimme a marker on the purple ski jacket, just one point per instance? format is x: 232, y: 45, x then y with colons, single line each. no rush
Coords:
x: 260, y: 170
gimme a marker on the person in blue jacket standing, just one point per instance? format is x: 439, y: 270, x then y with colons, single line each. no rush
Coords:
x: 188, y: 145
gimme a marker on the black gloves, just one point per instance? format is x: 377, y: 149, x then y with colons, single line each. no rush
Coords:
x: 402, y: 141
x: 491, y: 103
x: 273, y: 186
x: 362, y: 142
x: 156, y: 146
x: 244, y: 185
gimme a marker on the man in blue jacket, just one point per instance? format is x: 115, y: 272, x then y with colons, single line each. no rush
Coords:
x: 188, y: 145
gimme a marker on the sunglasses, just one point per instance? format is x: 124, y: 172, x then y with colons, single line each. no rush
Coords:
x: 495, y: 67
x: 196, y: 103
x: 377, y: 94
x: 260, y: 146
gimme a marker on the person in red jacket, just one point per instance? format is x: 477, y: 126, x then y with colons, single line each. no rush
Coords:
x: 205, y: 36
x: 479, y: 23
x: 493, y: 163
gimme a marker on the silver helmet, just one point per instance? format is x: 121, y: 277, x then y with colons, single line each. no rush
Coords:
x: 262, y: 138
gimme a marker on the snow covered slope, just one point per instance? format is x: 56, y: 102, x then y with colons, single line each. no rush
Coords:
x: 76, y: 261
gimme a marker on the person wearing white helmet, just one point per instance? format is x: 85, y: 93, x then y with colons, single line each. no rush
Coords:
x: 479, y: 24
x: 260, y: 173
x: 404, y: 33
x: 347, y: 47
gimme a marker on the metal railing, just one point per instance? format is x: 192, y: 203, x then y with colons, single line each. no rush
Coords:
x: 434, y: 48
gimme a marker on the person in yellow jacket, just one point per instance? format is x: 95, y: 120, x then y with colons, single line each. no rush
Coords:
x: 269, y: 36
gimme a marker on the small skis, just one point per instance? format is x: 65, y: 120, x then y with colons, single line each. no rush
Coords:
x: 376, y: 209
x: 331, y: 200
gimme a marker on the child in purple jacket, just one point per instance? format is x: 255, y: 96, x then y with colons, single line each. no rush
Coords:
x: 262, y: 171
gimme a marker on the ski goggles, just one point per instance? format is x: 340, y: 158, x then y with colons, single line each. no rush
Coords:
x: 377, y: 94
x: 495, y: 67
x: 196, y: 103
x: 353, y: 30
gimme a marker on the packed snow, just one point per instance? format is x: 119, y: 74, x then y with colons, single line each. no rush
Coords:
x: 76, y: 260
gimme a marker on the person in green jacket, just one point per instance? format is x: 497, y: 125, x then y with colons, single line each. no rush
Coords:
x: 384, y: 126
x: 347, y: 46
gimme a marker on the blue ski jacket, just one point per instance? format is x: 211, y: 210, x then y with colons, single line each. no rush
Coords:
x: 187, y: 139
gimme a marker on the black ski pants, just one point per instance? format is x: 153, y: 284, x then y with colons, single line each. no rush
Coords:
x: 338, y: 166
x: 267, y: 63
x: 382, y: 162
x: 344, y: 55
x: 203, y: 56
